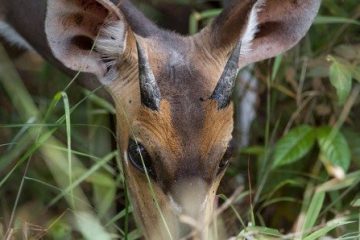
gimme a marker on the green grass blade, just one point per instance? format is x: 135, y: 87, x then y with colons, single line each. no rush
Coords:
x: 324, y: 230
x: 68, y: 136
x: 313, y: 211
x: 335, y: 20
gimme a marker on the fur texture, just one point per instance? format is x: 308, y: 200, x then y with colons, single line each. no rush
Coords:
x: 110, y: 44
x: 87, y: 36
x: 252, y: 28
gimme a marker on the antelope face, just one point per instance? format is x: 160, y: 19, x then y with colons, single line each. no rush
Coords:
x: 172, y: 94
x: 182, y: 166
x: 176, y: 145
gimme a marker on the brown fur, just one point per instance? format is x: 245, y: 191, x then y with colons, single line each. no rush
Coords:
x: 177, y: 130
x: 224, y: 32
x: 217, y: 128
x: 158, y: 129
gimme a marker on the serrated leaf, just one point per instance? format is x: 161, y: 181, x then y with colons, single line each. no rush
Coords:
x: 341, y: 78
x: 294, y: 145
x: 334, y: 147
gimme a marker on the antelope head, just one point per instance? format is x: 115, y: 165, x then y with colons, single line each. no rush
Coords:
x: 172, y: 93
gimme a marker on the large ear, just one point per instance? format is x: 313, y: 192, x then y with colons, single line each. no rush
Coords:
x: 266, y: 27
x: 88, y: 36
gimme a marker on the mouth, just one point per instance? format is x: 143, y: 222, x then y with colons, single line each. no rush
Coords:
x: 192, y: 206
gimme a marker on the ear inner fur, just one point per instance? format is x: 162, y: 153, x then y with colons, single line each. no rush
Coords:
x: 279, y: 31
x: 98, y: 22
x: 267, y: 27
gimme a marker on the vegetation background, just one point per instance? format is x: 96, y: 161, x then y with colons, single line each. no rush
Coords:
x: 298, y: 178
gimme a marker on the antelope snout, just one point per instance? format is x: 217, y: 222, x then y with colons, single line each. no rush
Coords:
x: 190, y: 201
x: 188, y: 197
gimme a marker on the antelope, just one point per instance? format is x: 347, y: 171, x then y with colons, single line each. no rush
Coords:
x: 172, y: 93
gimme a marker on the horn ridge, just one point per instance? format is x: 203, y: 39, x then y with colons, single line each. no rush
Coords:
x: 149, y: 90
x: 225, y: 86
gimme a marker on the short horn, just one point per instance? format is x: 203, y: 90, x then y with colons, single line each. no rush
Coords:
x: 225, y: 87
x: 149, y: 90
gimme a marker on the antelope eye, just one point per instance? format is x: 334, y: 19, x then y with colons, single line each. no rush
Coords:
x: 140, y: 158
x: 226, y: 158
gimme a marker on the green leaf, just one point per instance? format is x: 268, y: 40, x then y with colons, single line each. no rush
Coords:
x: 104, y: 191
x: 334, y: 148
x: 134, y: 235
x: 276, y: 67
x: 196, y: 17
x: 324, y: 230
x: 353, y: 139
x: 313, y: 210
x: 60, y: 230
x: 263, y: 231
x: 253, y: 150
x: 91, y: 227
x: 341, y: 78
x: 294, y: 145
x: 336, y: 184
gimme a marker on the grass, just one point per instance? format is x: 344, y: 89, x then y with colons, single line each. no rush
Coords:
x: 60, y: 174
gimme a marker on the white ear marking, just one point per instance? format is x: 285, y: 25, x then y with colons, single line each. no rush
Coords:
x: 110, y: 44
x: 251, y: 28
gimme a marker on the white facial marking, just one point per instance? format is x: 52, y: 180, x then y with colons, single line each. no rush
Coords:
x: 111, y: 43
x: 252, y: 27
x: 176, y: 58
x: 204, y: 203
x: 126, y: 160
x: 177, y: 208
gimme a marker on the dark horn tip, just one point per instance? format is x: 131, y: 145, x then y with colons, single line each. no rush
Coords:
x: 151, y: 101
x: 225, y: 87
x: 222, y: 101
x: 149, y: 90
